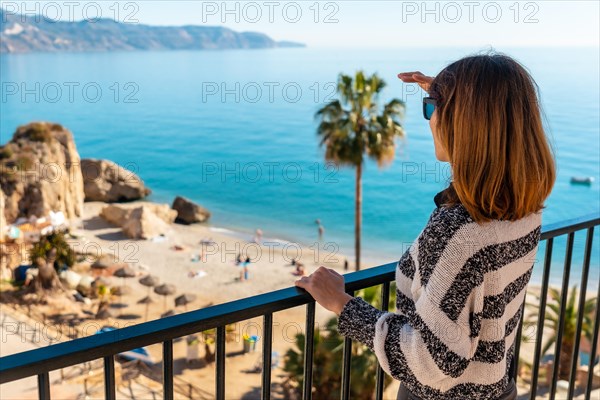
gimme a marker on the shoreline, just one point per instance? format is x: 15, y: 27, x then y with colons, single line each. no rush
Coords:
x: 555, y: 279
x: 270, y: 267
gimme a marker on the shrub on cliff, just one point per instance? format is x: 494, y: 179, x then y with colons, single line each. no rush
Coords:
x: 64, y: 254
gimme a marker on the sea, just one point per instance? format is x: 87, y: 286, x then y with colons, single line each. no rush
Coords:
x: 235, y: 131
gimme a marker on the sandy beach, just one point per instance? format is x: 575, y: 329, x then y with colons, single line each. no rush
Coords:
x: 270, y: 267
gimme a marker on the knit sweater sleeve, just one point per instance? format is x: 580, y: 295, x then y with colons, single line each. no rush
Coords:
x: 399, y: 341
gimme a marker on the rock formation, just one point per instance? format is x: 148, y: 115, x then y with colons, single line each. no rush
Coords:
x: 140, y: 220
x: 189, y: 212
x: 40, y: 171
x: 143, y: 223
x: 106, y: 181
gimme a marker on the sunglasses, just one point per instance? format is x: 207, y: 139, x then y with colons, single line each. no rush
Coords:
x: 429, y: 105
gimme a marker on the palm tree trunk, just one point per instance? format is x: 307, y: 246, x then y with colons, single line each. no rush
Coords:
x: 358, y: 214
x: 566, y: 358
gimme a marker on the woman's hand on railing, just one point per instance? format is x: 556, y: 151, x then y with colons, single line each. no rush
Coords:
x: 327, y: 287
x: 423, y: 81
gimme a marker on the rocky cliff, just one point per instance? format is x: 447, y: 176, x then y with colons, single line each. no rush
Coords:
x: 40, y: 171
x: 33, y: 33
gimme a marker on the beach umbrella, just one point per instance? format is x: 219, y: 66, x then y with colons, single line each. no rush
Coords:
x: 146, y: 300
x: 124, y: 272
x: 168, y: 313
x: 165, y: 290
x: 184, y: 300
x: 103, y: 314
x: 103, y: 263
x: 149, y: 281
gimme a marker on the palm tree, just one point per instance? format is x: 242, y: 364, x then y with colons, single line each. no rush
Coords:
x: 50, y: 253
x: 570, y: 325
x: 353, y: 127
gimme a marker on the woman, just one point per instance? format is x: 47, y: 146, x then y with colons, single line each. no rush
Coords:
x: 462, y: 283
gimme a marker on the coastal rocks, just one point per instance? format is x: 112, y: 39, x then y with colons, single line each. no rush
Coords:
x: 189, y: 212
x: 40, y: 172
x: 106, y: 181
x: 141, y: 220
x: 118, y: 213
x: 143, y: 223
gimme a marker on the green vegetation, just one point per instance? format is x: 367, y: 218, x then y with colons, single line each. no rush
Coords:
x: 64, y: 254
x: 38, y: 132
x: 570, y: 325
x: 6, y: 152
x: 209, y: 339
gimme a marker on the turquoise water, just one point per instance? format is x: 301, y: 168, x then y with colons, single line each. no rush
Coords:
x: 182, y: 138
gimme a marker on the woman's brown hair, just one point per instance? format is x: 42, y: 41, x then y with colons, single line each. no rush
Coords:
x: 489, y: 121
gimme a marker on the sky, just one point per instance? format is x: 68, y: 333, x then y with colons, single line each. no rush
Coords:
x: 358, y: 24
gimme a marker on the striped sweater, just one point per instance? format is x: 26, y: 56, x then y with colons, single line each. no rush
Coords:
x: 460, y: 288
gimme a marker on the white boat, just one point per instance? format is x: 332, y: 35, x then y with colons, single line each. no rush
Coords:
x: 582, y: 180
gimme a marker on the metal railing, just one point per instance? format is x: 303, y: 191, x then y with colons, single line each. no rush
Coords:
x: 40, y: 362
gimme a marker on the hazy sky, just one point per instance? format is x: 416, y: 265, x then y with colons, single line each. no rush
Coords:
x: 361, y: 23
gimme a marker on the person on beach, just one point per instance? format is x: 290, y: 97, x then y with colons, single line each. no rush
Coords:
x: 258, y: 236
x: 300, y: 270
x: 320, y: 228
x: 461, y: 285
x: 246, y: 264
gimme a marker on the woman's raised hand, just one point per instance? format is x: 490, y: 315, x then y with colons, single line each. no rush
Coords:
x: 423, y: 81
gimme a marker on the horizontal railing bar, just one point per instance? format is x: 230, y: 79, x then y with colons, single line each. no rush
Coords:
x: 89, y: 348
x: 569, y: 225
x: 61, y: 355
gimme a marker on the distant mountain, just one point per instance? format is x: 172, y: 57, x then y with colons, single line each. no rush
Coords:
x: 41, y: 35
